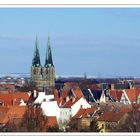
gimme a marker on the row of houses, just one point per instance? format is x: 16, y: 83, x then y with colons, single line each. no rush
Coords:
x: 95, y: 94
x: 69, y: 104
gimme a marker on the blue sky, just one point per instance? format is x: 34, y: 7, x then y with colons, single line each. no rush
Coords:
x: 98, y: 41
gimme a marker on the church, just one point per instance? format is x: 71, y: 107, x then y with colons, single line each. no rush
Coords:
x: 43, y: 77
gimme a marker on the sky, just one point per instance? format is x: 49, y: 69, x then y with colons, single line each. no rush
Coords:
x: 96, y: 41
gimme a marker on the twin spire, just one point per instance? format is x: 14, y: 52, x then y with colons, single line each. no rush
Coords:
x: 36, y: 59
x: 48, y: 59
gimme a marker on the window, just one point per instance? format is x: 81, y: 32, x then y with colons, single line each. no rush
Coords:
x: 102, y: 125
x: 34, y: 71
x: 108, y: 126
x: 46, y: 71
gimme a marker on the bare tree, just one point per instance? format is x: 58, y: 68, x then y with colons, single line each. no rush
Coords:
x: 132, y: 123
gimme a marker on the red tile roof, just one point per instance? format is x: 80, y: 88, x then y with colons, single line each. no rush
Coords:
x: 68, y: 85
x: 84, y: 112
x: 60, y: 101
x: 69, y: 103
x: 116, y: 94
x: 111, y: 116
x: 132, y: 94
x: 77, y: 93
x: 3, y: 112
x: 64, y: 94
x: 80, y: 113
x: 3, y: 109
x: 90, y: 110
x: 125, y: 109
x: 11, y: 112
x: 14, y: 98
x: 17, y: 111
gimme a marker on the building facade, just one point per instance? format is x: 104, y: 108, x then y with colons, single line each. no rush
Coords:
x: 43, y: 77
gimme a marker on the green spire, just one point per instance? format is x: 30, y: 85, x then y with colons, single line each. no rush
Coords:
x: 36, y: 58
x: 48, y: 59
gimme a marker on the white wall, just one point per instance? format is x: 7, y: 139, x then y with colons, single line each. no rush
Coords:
x: 41, y: 97
x: 102, y: 98
x: 124, y: 98
x: 50, y: 109
x: 81, y: 102
x: 65, y: 115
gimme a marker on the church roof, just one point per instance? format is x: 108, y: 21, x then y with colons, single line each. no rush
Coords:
x: 48, y: 59
x: 36, y: 59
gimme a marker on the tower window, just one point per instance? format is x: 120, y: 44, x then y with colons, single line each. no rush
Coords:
x: 34, y: 71
x: 46, y: 71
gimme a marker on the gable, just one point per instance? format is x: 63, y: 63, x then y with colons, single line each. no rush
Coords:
x: 81, y: 102
x: 116, y: 94
x: 124, y: 98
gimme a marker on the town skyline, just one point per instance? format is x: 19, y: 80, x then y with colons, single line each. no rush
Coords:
x: 95, y: 41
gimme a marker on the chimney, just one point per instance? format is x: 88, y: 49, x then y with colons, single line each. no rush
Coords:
x: 112, y: 86
x: 34, y: 94
x: 67, y: 98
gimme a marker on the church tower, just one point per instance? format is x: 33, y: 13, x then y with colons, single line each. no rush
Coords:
x: 48, y: 71
x: 43, y: 78
x: 36, y: 66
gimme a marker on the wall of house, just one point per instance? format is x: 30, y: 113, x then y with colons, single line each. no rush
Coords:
x: 65, y: 116
x: 84, y: 123
x: 50, y: 109
x: 106, y: 126
x: 109, y: 126
x: 80, y: 103
x: 124, y: 99
x: 101, y: 124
